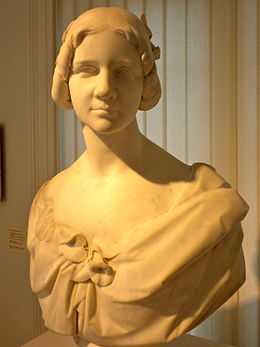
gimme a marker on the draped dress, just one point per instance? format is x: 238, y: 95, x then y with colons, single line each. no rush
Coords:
x: 161, y: 280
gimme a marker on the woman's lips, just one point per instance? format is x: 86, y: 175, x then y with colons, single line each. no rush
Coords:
x: 104, y: 109
x: 105, y: 112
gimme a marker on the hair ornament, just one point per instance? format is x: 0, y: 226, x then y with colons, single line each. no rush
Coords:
x: 155, y: 49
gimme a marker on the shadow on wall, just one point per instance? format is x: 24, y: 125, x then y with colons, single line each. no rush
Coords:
x: 248, y: 311
x: 2, y: 164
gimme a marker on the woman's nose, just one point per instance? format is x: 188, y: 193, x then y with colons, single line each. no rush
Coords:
x: 105, y: 87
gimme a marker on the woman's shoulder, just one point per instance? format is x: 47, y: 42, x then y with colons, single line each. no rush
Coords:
x: 189, y: 180
x: 162, y: 166
x: 172, y: 169
x: 207, y: 177
x: 58, y: 184
x: 49, y: 190
x: 41, y: 221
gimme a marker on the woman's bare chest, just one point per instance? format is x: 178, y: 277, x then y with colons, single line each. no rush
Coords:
x: 111, y: 210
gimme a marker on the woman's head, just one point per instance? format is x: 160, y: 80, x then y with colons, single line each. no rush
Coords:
x: 121, y: 22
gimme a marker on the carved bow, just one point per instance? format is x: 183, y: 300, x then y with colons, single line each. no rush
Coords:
x: 91, y: 265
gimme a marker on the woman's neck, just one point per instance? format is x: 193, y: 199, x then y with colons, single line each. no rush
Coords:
x: 116, y: 153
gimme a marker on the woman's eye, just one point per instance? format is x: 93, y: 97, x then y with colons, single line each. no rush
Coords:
x: 122, y: 70
x: 88, y: 70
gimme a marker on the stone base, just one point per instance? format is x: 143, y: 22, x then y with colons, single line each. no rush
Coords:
x: 50, y: 339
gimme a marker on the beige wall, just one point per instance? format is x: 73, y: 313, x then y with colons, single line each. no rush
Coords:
x: 16, y: 299
x: 23, y: 103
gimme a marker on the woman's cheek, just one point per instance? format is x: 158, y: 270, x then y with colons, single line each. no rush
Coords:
x: 83, y: 107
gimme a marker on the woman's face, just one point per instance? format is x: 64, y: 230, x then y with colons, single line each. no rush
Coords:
x: 106, y: 82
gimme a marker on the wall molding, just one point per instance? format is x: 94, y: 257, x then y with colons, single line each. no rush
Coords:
x: 41, y: 49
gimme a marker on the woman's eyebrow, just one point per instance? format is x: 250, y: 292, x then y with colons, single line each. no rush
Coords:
x: 82, y: 63
x: 94, y: 62
x: 80, y: 66
x: 124, y: 61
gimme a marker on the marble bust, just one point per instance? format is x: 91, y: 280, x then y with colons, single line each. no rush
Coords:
x: 129, y: 245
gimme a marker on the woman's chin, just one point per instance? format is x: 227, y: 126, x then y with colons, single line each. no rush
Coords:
x: 104, y: 126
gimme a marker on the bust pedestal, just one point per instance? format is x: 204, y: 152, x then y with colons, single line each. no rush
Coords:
x: 50, y: 339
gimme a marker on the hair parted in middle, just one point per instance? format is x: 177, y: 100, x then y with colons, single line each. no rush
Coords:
x: 129, y: 26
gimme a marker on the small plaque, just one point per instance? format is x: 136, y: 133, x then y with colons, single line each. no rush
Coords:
x: 16, y: 239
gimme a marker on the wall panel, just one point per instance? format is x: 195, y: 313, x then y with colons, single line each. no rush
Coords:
x: 154, y: 127
x: 223, y: 126
x: 198, y: 81
x: 66, y: 12
x: 176, y: 77
x: 138, y: 7
x: 28, y: 120
x: 248, y: 157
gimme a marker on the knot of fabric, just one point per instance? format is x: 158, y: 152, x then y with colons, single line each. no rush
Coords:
x: 90, y: 263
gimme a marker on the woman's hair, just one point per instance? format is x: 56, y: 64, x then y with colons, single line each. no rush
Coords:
x: 118, y: 20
